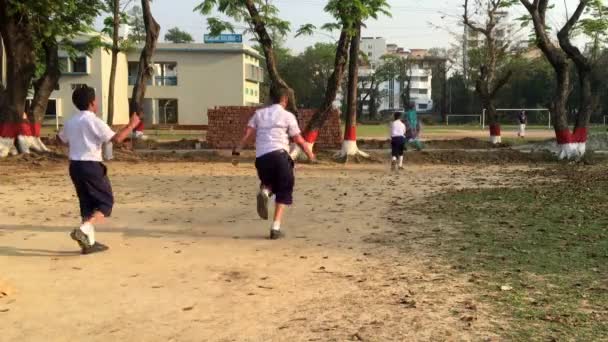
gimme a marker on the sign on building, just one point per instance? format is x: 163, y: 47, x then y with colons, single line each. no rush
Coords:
x: 223, y: 38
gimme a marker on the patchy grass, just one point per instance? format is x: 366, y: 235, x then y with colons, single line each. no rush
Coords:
x: 547, y: 242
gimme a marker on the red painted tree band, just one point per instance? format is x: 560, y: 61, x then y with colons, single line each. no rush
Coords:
x: 351, y: 133
x: 580, y: 135
x: 25, y: 129
x: 311, y: 137
x: 563, y: 137
x: 495, y: 130
x: 12, y: 130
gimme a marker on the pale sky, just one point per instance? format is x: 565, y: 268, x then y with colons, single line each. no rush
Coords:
x: 414, y: 23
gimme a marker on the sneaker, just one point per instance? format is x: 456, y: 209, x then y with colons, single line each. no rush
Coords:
x: 401, y: 168
x: 81, y: 238
x: 393, y: 165
x: 263, y: 198
x: 95, y: 248
x: 276, y: 234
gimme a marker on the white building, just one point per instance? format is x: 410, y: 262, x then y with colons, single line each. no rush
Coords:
x: 421, y: 73
x: 373, y: 48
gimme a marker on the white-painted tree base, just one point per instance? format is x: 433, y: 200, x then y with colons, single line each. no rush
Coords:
x: 7, y: 147
x: 108, y: 151
x: 297, y: 153
x: 139, y: 135
x: 350, y: 149
x: 29, y: 143
x: 571, y: 151
x: 495, y: 139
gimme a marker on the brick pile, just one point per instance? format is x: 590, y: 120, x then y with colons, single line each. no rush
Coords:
x: 227, y: 124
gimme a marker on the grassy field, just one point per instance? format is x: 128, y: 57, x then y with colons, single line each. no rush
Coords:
x: 546, y: 246
x: 379, y: 131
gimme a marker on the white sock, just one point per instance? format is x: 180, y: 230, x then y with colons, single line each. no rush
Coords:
x: 89, y: 230
x: 276, y: 225
x: 265, y: 191
x: 394, y: 158
x: 400, y: 161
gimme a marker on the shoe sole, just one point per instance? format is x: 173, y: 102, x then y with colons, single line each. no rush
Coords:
x: 81, y: 238
x: 276, y: 235
x: 262, y: 206
x: 96, y: 248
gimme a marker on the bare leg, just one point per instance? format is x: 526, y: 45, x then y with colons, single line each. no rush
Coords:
x: 278, y: 213
x: 275, y: 230
x: 97, y: 218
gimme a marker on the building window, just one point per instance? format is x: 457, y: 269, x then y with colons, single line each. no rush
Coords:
x: 165, y: 74
x: 423, y: 106
x: 254, y: 73
x: 76, y: 65
x: 79, y: 65
x: 424, y: 79
x: 423, y: 91
x: 167, y: 111
x: 133, y: 70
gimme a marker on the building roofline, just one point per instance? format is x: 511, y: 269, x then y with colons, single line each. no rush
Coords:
x: 207, y: 48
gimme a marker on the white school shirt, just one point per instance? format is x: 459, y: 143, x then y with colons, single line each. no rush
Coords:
x: 397, y: 128
x: 274, y: 126
x: 85, y: 133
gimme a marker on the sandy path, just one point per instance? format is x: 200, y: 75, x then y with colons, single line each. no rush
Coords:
x: 189, y: 261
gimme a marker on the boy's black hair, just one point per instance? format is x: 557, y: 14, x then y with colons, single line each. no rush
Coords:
x: 397, y: 115
x: 277, y: 94
x: 83, y: 96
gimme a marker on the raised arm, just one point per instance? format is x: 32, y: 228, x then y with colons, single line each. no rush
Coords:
x: 304, y: 146
x: 123, y: 134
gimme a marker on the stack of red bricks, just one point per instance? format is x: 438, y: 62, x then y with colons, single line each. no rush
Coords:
x: 227, y: 125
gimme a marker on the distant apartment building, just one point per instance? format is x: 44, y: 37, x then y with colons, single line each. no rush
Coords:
x: 190, y: 78
x: 421, y: 75
x: 373, y: 48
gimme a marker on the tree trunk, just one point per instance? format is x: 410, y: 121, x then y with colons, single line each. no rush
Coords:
x: 350, y: 129
x: 349, y: 145
x: 444, y: 92
x: 559, y: 62
x: 29, y: 137
x: 146, y: 68
x: 276, y: 81
x: 17, y: 34
x: 115, y: 51
x: 583, y: 68
x: 333, y: 86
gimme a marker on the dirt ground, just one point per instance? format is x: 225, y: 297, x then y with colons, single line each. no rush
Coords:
x: 190, y: 261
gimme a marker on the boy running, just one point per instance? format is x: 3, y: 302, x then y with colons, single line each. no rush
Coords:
x: 397, y: 141
x: 272, y: 127
x: 85, y: 134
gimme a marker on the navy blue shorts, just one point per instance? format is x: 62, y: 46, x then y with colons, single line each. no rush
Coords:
x: 275, y: 170
x: 397, y: 146
x: 92, y: 187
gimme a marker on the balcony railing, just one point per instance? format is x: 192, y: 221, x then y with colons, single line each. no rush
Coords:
x: 165, y: 80
x: 158, y: 81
